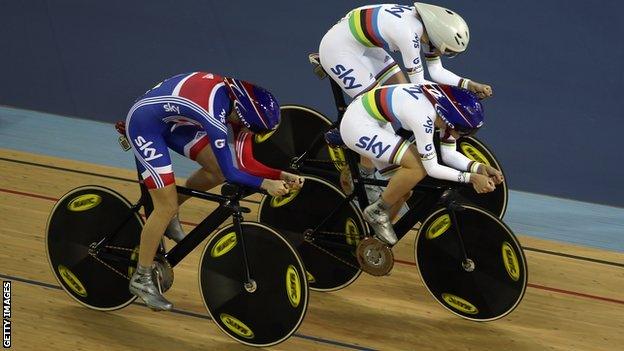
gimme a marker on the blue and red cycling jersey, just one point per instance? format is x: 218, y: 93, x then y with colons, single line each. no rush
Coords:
x: 186, y: 113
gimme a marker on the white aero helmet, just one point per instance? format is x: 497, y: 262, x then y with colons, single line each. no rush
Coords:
x: 445, y: 28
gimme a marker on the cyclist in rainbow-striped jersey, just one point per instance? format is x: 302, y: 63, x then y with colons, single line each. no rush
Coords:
x: 368, y: 128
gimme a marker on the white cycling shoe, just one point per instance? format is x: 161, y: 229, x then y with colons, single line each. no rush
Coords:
x: 143, y: 285
x: 379, y: 220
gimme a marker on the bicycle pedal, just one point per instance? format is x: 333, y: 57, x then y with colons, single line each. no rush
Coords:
x: 374, y: 257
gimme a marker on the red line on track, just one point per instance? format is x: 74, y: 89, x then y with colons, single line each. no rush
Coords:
x: 28, y: 194
x: 407, y: 263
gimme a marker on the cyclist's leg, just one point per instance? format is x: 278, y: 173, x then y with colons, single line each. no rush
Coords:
x: 192, y: 142
x: 145, y: 132
x: 378, y: 142
x: 342, y: 58
x: 385, y: 71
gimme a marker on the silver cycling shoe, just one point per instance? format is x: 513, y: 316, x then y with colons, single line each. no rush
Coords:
x: 143, y: 285
x: 378, y: 218
x: 174, y: 230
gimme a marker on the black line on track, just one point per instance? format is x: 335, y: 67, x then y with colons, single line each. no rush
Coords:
x: 86, y: 173
x: 191, y: 314
x: 583, y: 258
x: 554, y: 253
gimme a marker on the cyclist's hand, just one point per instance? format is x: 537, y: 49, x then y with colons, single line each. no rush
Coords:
x: 493, y: 173
x: 293, y: 181
x: 481, y: 90
x: 481, y: 183
x: 274, y: 187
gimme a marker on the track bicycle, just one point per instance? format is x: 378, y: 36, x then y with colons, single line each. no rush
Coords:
x: 252, y: 280
x: 468, y: 259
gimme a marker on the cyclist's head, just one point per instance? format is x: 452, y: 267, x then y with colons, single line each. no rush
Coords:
x: 256, y: 107
x: 460, y: 109
x: 447, y: 31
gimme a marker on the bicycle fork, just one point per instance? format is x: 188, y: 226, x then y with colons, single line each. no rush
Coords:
x: 453, y: 206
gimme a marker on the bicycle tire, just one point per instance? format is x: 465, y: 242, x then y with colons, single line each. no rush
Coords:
x: 275, y: 309
x: 495, y: 201
x: 78, y: 219
x: 330, y: 259
x: 299, y: 127
x: 498, y: 282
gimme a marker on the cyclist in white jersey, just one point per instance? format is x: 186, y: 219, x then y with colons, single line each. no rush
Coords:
x: 354, y: 52
x: 368, y: 127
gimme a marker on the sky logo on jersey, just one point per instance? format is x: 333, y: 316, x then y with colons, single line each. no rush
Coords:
x: 144, y: 145
x: 171, y: 108
x: 343, y: 74
x: 397, y: 10
x: 372, y: 145
x: 428, y: 125
x: 414, y: 91
x: 416, y: 41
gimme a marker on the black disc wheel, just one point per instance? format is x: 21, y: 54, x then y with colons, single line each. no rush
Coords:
x: 268, y: 307
x: 329, y: 251
x: 496, y: 201
x: 300, y: 129
x: 486, y: 286
x: 80, y: 219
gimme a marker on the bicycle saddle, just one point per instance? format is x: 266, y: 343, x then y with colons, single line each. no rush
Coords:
x: 315, y: 60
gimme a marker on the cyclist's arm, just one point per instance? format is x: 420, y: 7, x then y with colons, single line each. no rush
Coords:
x: 450, y: 155
x: 221, y: 149
x: 404, y: 36
x: 423, y: 133
x: 244, y: 154
x: 442, y: 75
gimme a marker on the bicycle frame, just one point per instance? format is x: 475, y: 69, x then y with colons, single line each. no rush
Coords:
x: 228, y: 206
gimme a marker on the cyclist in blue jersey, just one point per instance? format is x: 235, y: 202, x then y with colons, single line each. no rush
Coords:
x: 188, y: 113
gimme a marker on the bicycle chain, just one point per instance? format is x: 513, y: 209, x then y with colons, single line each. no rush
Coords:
x: 331, y: 254
x: 109, y: 266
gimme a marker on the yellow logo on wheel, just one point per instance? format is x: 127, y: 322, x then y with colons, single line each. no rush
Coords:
x: 459, y: 304
x: 223, y: 245
x: 84, y: 202
x: 472, y: 153
x: 293, y: 286
x: 260, y: 138
x: 351, y: 232
x: 438, y: 227
x: 337, y: 155
x: 72, y: 281
x: 511, y: 261
x: 134, y: 258
x: 278, y: 201
x: 310, y: 277
x: 239, y: 328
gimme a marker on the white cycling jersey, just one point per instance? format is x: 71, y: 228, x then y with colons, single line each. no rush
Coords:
x: 369, y: 124
x: 353, y: 52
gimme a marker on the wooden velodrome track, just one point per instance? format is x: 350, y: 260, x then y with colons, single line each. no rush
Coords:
x: 575, y: 298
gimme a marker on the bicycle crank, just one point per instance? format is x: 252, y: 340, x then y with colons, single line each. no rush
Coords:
x: 375, y: 257
x: 164, y: 271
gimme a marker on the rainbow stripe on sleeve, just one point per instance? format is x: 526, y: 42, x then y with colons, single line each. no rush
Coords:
x: 378, y: 103
x: 364, y: 27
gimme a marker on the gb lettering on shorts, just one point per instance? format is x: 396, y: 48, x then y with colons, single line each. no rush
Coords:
x: 148, y: 152
x: 372, y: 145
x: 345, y: 76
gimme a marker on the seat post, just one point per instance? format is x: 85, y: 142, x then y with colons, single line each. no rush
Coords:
x: 339, y: 99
